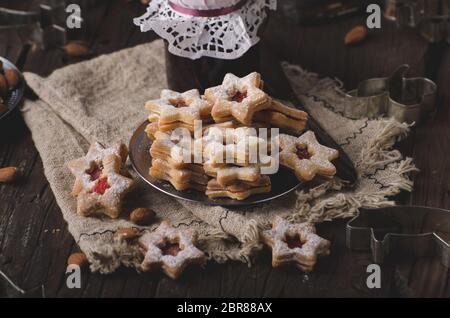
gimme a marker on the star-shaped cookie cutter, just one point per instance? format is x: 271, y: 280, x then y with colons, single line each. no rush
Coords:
x: 401, y: 230
x: 405, y: 99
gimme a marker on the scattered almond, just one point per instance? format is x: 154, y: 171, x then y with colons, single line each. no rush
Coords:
x: 77, y: 49
x: 142, y: 216
x: 79, y: 259
x: 356, y: 35
x: 126, y: 233
x: 9, y: 174
x: 12, y: 77
x: 3, y: 108
x: 3, y: 86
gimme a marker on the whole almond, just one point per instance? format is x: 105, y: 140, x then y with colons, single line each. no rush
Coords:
x: 356, y: 35
x: 142, y: 216
x: 3, y: 108
x: 12, y: 77
x: 9, y: 174
x: 126, y: 233
x: 79, y: 259
x: 77, y: 49
x: 3, y: 86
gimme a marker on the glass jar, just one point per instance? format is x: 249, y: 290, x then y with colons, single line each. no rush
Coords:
x: 184, y: 74
x: 208, y: 38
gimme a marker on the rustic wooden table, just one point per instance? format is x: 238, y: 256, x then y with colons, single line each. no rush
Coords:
x: 35, y: 242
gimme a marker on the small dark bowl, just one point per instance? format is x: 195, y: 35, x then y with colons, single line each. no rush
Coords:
x: 14, y: 96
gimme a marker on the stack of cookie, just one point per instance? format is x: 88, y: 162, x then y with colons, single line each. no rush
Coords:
x: 177, y: 110
x: 218, y: 161
x: 233, y: 157
x: 169, y: 163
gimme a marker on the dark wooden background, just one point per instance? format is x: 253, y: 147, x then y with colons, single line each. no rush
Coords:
x: 35, y: 242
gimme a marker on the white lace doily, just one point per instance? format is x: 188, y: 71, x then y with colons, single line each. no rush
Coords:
x: 226, y: 37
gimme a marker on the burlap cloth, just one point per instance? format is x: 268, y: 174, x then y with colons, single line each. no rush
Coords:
x: 103, y: 100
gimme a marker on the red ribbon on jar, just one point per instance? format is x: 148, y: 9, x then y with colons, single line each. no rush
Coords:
x: 207, y: 13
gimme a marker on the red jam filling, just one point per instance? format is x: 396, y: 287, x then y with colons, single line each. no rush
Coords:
x: 178, y: 103
x: 101, y: 186
x: 171, y: 249
x: 95, y: 172
x: 293, y: 242
x: 302, y: 153
x: 239, y: 97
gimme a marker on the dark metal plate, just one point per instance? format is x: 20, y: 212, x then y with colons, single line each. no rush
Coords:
x: 282, y: 183
x: 14, y: 96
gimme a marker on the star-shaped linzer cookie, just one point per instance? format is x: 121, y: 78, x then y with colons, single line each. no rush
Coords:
x: 238, y: 98
x: 174, y: 107
x: 89, y: 167
x: 306, y: 157
x: 170, y: 249
x: 99, y: 186
x: 296, y: 244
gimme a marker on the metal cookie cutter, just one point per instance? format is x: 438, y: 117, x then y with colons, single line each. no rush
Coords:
x: 401, y: 230
x: 46, y: 26
x: 431, y: 18
x: 405, y: 99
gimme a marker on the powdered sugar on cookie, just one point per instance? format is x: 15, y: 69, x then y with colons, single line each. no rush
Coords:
x: 170, y: 249
x: 179, y: 107
x: 295, y: 244
x: 99, y: 186
x: 306, y: 156
x: 86, y: 169
x: 105, y: 194
x: 238, y: 97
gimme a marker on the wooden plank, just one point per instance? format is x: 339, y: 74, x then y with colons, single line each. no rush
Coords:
x: 146, y: 285
x: 332, y: 57
x: 428, y: 278
x: 133, y: 285
x: 109, y: 30
x: 321, y: 49
x: 277, y: 84
x: 11, y: 45
x: 381, y: 53
x: 34, y: 225
x: 25, y: 201
x: 445, y: 80
x: 33, y: 215
x: 209, y: 285
x: 103, y: 39
x: 35, y: 243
